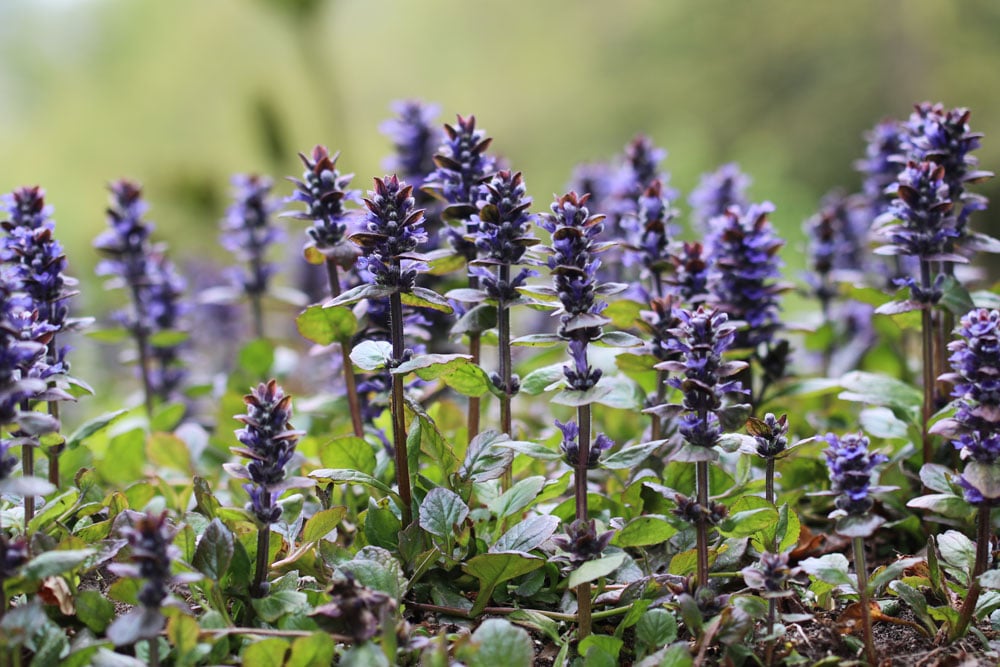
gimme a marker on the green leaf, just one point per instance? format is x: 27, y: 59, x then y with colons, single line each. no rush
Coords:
x: 359, y: 293
x: 619, y: 339
x: 863, y: 387
x: 656, y: 628
x: 340, y: 476
x: 166, y: 450
x: 945, y: 504
x: 280, y: 603
x: 957, y: 550
x: 322, y: 523
x: 575, y: 399
x: 476, y: 320
x: 91, y: 427
x: 421, y: 297
x: 376, y: 568
x: 984, y: 477
x: 257, y: 358
x: 537, y: 380
x: 367, y: 654
x: 168, y: 338
x: 600, y: 650
x: 94, y: 610
x: 269, y: 651
x: 442, y: 512
x: 831, y: 568
x: 51, y: 563
x: 882, y: 423
x: 517, y: 497
x: 501, y: 644
x: 644, y: 531
x: 623, y: 313
x: 348, y: 453
x: 327, y: 325
x: 382, y: 526
x: 372, y: 355
x: 527, y: 534
x: 537, y: 340
x: 182, y: 633
x: 316, y: 649
x: 486, y: 458
x: 631, y: 456
x: 492, y: 569
x: 456, y: 370
x: 595, y: 569
x: 936, y: 477
x: 955, y: 297
x: 114, y: 335
x: 534, y: 450
x: 214, y: 552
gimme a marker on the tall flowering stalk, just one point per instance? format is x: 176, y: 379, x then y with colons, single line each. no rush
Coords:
x: 134, y: 262
x: 702, y: 338
x: 503, y: 237
x: 649, y: 233
x: 268, y: 440
x: 39, y: 266
x: 743, y: 249
x: 323, y: 190
x: 975, y: 431
x: 392, y: 231
x: 851, y: 468
x: 463, y: 167
x: 247, y: 232
x: 574, y: 264
x: 415, y: 137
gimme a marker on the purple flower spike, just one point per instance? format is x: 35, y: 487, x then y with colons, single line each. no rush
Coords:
x: 743, y: 248
x: 573, y: 262
x: 716, y: 192
x: 503, y: 232
x: 650, y: 230
x: 881, y: 165
x: 689, y: 281
x: 392, y: 230
x: 924, y: 223
x: 581, y: 376
x: 851, y: 467
x: 701, y: 339
x: 415, y: 137
x: 248, y: 230
x: 324, y: 191
x: 268, y: 440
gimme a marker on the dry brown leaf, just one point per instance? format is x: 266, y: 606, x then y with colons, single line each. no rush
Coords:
x: 55, y: 591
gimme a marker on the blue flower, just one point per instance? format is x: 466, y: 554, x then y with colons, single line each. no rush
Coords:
x: 324, y: 191
x: 924, y: 223
x: 743, y: 249
x: 503, y: 233
x: 851, y: 467
x: 248, y: 230
x: 650, y: 230
x: 415, y: 137
x: 716, y: 192
x: 392, y: 230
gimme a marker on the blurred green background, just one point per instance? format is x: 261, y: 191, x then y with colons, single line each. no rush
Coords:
x: 180, y: 94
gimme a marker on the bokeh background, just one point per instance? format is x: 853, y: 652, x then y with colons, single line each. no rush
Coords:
x: 181, y: 94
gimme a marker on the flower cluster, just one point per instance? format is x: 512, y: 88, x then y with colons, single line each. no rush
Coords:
x: 659, y: 322
x: 573, y: 262
x: 716, y: 192
x: 702, y: 338
x: 415, y: 138
x: 943, y: 136
x: 150, y: 538
x: 638, y: 171
x: 392, y: 230
x: 881, y: 165
x: 582, y: 543
x: 268, y: 440
x: 13, y: 554
x: 324, y: 192
x: 570, y: 445
x: 690, y: 510
x: 689, y: 281
x: 156, y: 288
x: 650, y: 230
x: 248, y: 231
x: 503, y: 233
x: 836, y: 242
x: 975, y: 363
x: 353, y: 609
x: 923, y: 209
x: 463, y: 166
x: 22, y: 348
x: 744, y: 252
x: 770, y: 435
x: 851, y: 467
x: 772, y: 575
x: 38, y: 255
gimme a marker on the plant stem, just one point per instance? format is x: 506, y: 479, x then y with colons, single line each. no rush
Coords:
x: 28, y: 470
x: 506, y: 368
x: 769, y: 480
x: 350, y: 383
x: 154, y: 651
x: 927, y: 336
x: 474, y: 352
x: 982, y: 560
x: 142, y: 342
x: 656, y: 428
x: 583, y: 413
x: 56, y: 450
x: 502, y: 611
x: 866, y: 617
x: 263, y: 547
x: 398, y: 410
x: 701, y: 484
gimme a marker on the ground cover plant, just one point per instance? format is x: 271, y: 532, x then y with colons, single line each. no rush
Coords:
x: 503, y: 433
